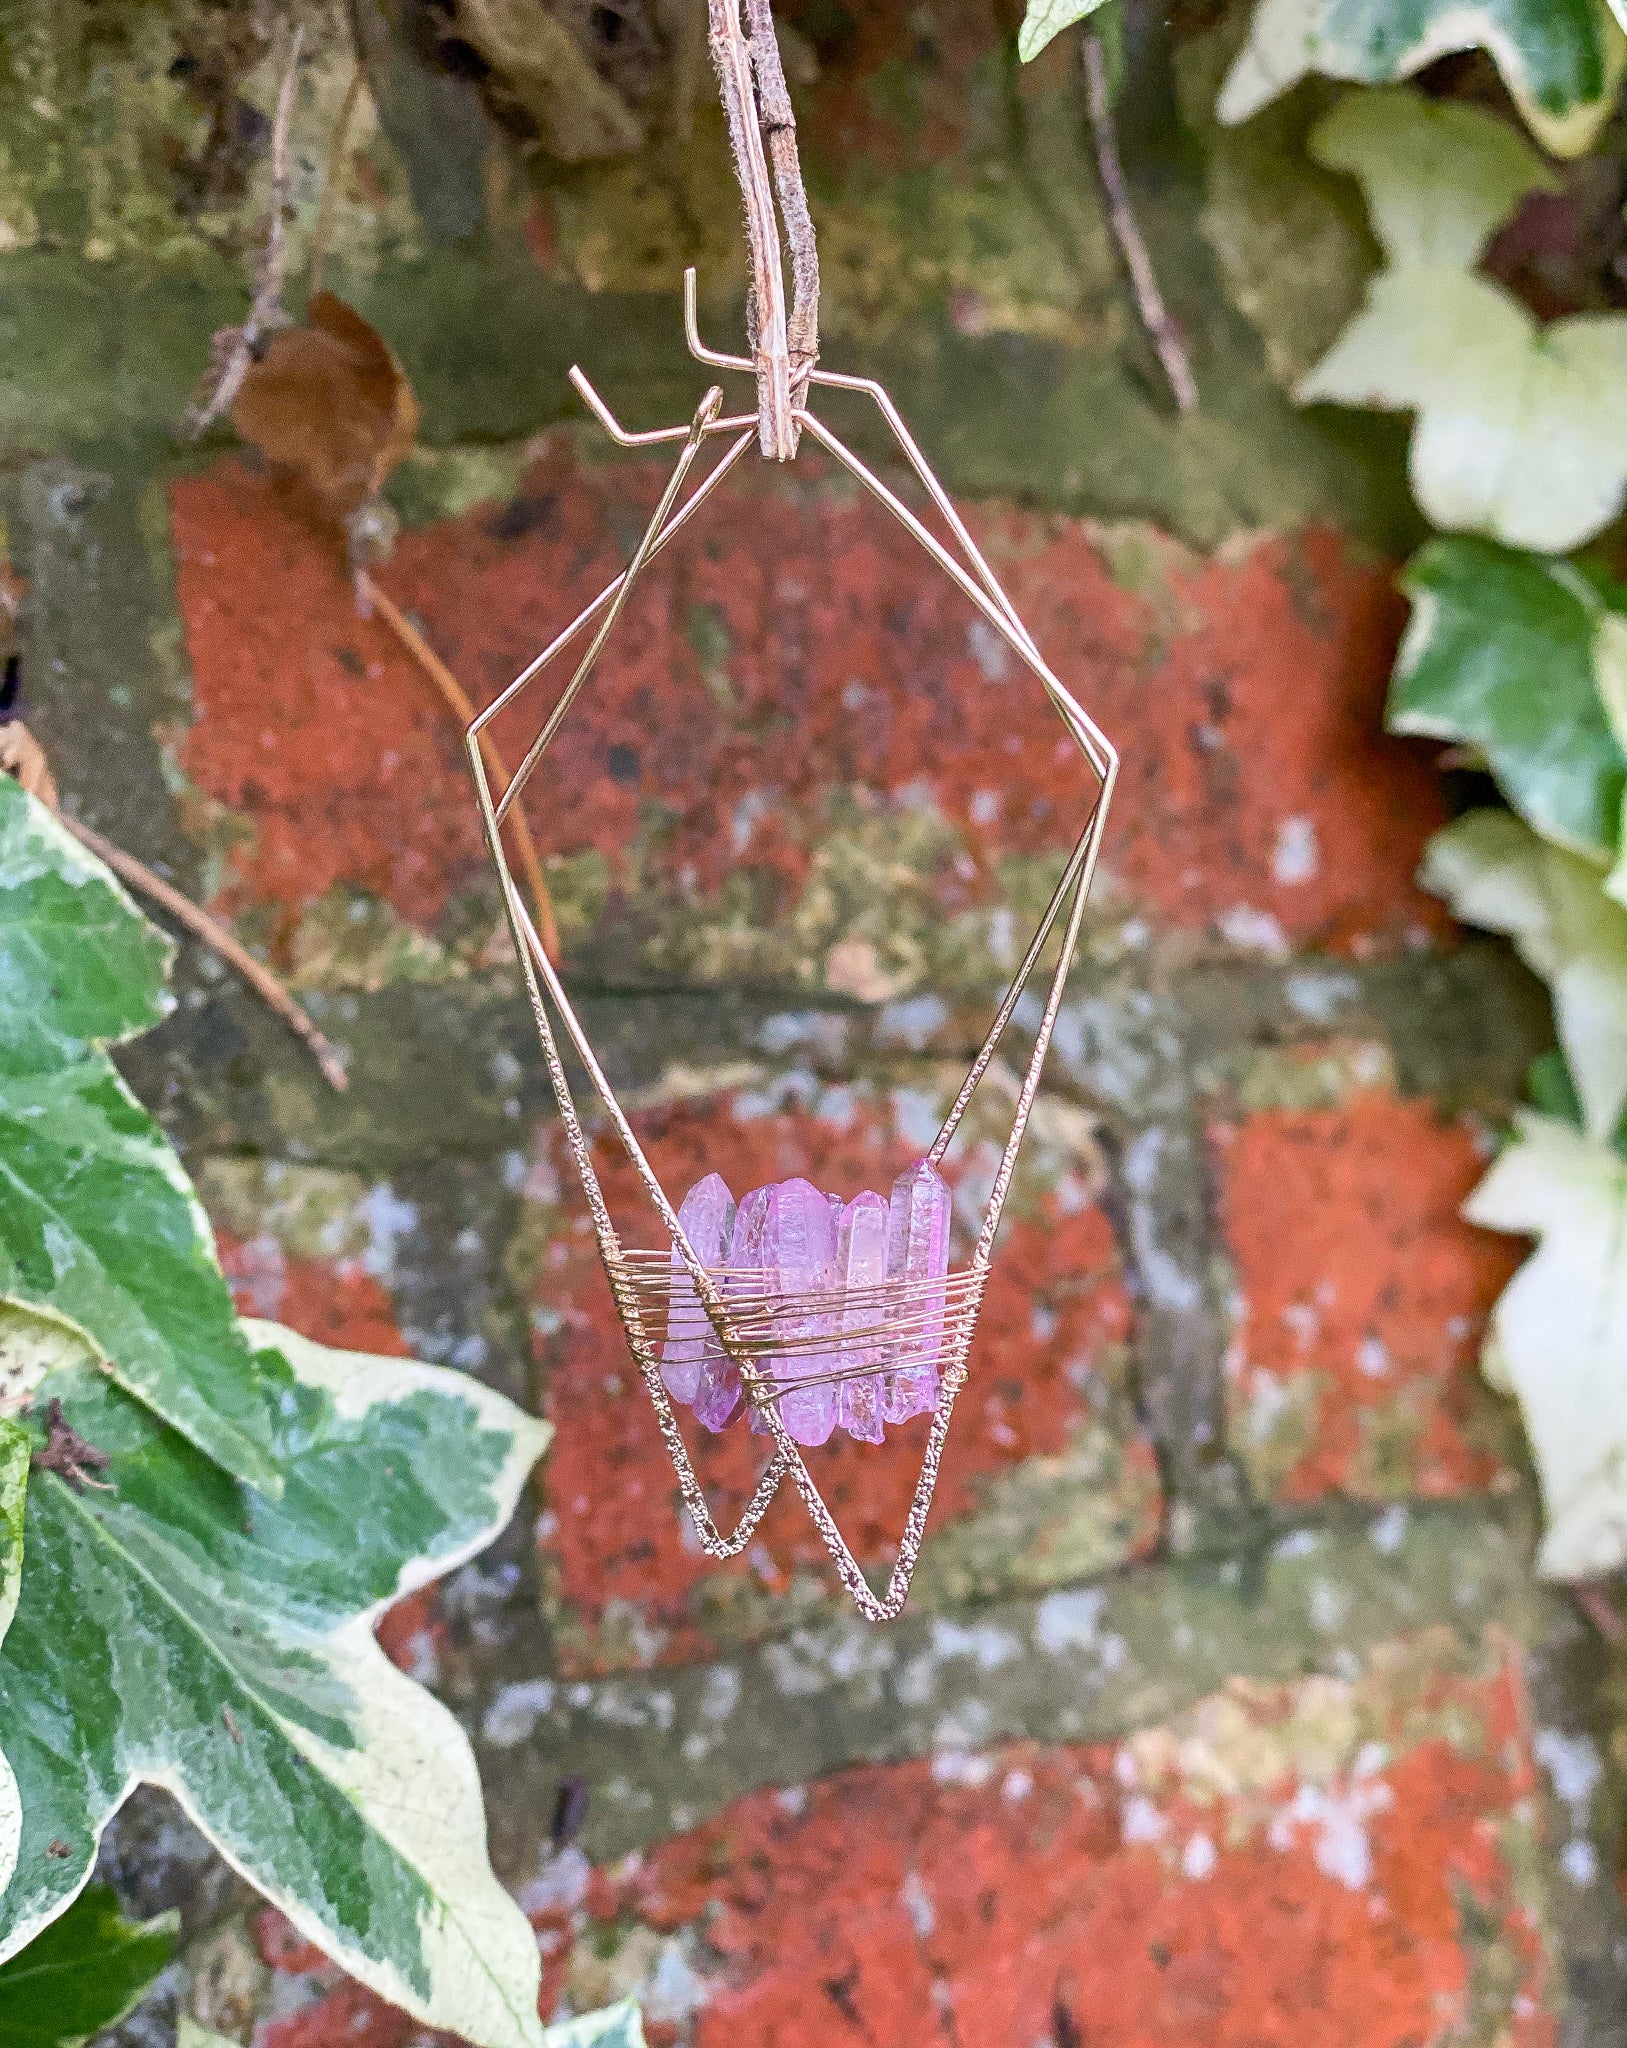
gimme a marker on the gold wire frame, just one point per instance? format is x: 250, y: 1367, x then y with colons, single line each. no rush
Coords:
x: 752, y: 1326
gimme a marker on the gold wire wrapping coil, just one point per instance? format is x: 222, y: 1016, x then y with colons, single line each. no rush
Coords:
x: 754, y: 1330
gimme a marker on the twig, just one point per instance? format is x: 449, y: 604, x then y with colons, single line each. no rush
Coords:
x: 731, y: 53
x: 214, y: 934
x: 1161, y: 329
x: 236, y: 348
x: 780, y: 127
x: 318, y: 257
x: 463, y: 709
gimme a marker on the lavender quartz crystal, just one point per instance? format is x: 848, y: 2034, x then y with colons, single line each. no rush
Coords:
x: 861, y: 1270
x: 799, y: 1257
x: 706, y: 1216
x: 917, y: 1253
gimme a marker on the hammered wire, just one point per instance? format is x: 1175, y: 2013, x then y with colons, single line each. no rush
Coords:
x: 637, y: 1295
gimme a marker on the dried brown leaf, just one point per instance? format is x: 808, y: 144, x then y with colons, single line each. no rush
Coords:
x: 329, y: 403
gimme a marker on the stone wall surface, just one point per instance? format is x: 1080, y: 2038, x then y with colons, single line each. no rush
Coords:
x: 1227, y: 1710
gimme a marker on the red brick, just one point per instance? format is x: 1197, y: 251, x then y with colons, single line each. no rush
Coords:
x: 1064, y: 1899
x: 330, y: 1301
x: 1257, y: 779
x: 1364, y: 1294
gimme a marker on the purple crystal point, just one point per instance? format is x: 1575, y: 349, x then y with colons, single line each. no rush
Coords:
x: 861, y: 1271
x: 719, y: 1394
x: 799, y: 1256
x: 917, y: 1254
x: 706, y: 1216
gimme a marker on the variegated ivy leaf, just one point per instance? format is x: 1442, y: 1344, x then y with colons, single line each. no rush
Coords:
x: 100, y: 1225
x: 1559, y: 1334
x: 1494, y: 871
x: 1561, y: 60
x: 79, y: 964
x: 1440, y: 177
x: 1047, y: 19
x: 1522, y: 429
x: 1502, y: 653
x: 617, y: 2026
x: 15, y: 1448
x: 84, y: 1973
x: 1610, y: 674
x: 14, y: 1454
x: 181, y: 1630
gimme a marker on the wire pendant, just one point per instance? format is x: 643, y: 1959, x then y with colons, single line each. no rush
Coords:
x: 785, y: 1342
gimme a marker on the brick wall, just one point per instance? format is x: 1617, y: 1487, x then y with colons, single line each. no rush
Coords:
x: 1226, y: 1710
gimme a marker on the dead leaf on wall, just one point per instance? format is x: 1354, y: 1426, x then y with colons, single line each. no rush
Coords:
x: 329, y: 403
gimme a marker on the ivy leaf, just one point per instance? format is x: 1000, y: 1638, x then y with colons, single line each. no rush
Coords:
x: 182, y: 1630
x: 82, y: 1974
x: 617, y: 2026
x: 1610, y: 675
x: 1561, y: 60
x: 79, y: 964
x: 1559, y: 1333
x: 1522, y: 430
x: 1439, y: 176
x: 1047, y: 19
x: 1500, y: 653
x: 100, y: 1225
x: 1494, y: 871
x: 15, y: 1447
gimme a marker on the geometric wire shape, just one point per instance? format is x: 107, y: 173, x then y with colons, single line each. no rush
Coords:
x: 751, y: 1330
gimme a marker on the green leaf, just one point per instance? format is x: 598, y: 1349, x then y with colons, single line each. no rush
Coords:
x: 182, y: 1630
x: 99, y: 1224
x: 79, y: 964
x: 1610, y: 675
x: 1499, y: 654
x: 15, y: 1447
x: 1439, y: 176
x: 1560, y: 59
x: 1559, y: 1334
x: 82, y: 1974
x: 14, y: 1454
x: 1522, y: 430
x: 1496, y: 872
x: 1046, y: 19
x: 617, y: 2026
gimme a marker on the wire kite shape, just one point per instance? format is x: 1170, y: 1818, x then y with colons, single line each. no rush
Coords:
x: 751, y: 1327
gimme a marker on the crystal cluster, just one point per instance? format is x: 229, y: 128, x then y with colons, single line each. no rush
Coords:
x: 869, y: 1350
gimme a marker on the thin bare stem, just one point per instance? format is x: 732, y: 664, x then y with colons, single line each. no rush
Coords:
x: 237, y: 347
x: 214, y: 935
x: 731, y: 53
x: 337, y: 145
x: 1155, y: 317
x: 780, y: 128
x: 464, y: 711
